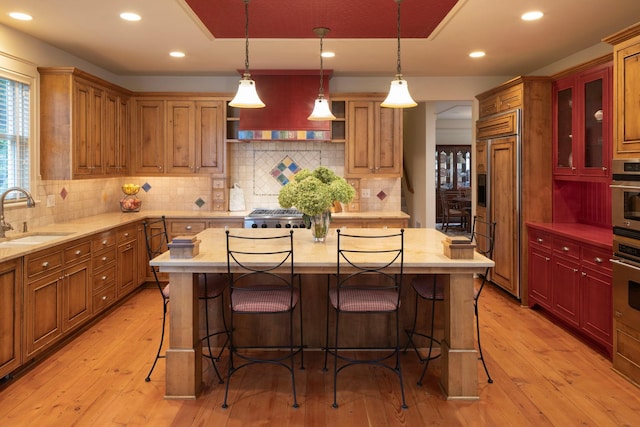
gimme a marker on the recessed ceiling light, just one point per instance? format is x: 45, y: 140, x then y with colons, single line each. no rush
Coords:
x: 130, y: 16
x: 477, y: 54
x: 20, y: 16
x: 176, y: 54
x: 328, y: 54
x: 532, y: 16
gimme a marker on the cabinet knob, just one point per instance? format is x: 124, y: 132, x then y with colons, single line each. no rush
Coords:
x: 104, y: 259
x: 104, y: 277
x: 104, y: 242
x: 104, y: 298
x: 598, y: 260
x: 565, y: 249
x: 540, y: 239
x: 584, y: 274
x: 45, y: 264
x: 547, y: 259
x: 126, y: 234
x: 78, y: 252
x: 575, y: 270
x: 188, y: 228
x: 604, y: 168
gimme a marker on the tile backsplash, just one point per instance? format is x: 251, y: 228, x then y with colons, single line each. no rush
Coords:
x: 251, y: 165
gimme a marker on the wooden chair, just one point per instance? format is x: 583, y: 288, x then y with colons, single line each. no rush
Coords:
x: 454, y: 209
x: 363, y: 288
x: 261, y: 281
x: 210, y: 287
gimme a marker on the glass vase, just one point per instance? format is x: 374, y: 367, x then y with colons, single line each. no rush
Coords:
x: 320, y: 226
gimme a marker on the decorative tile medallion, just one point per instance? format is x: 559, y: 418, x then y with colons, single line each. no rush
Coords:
x: 200, y: 202
x: 63, y: 193
x: 381, y: 195
x: 285, y: 170
x: 146, y: 187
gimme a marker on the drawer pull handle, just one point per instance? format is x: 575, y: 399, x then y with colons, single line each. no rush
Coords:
x: 104, y: 277
x: 104, y: 242
x: 540, y: 240
x: 584, y: 274
x: 78, y: 252
x: 598, y: 260
x: 565, y: 249
x: 45, y: 264
x: 104, y: 259
x: 126, y: 234
x: 188, y: 227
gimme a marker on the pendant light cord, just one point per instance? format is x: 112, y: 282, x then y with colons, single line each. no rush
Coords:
x: 246, y: 37
x: 321, y: 93
x: 398, y: 68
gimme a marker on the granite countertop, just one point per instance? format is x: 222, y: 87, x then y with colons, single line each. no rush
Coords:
x: 82, y: 227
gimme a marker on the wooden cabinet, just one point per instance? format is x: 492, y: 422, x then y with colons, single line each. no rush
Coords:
x: 514, y: 151
x: 179, y: 135
x: 572, y: 280
x: 10, y: 316
x: 117, y: 134
x: 626, y: 91
x: 57, y: 293
x: 582, y: 132
x: 374, y: 140
x: 339, y: 125
x: 80, y: 112
x: 369, y: 222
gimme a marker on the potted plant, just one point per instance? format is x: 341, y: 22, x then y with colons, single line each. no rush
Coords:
x: 314, y: 193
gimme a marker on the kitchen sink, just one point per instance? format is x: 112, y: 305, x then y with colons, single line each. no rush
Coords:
x: 32, y: 239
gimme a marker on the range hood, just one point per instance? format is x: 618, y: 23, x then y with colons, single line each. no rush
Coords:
x: 289, y: 97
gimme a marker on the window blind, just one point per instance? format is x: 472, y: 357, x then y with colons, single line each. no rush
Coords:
x: 14, y: 136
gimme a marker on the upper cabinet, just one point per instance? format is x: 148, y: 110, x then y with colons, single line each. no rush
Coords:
x: 374, y: 140
x: 626, y: 91
x: 87, y: 115
x: 582, y: 124
x: 179, y: 135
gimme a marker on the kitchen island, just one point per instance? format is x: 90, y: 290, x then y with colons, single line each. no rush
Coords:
x: 423, y: 255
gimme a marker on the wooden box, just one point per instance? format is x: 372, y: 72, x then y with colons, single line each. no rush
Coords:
x: 184, y: 247
x: 458, y: 248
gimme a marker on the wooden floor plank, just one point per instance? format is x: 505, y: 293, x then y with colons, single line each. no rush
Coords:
x: 543, y: 375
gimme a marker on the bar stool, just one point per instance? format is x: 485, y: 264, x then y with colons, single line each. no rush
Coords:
x: 210, y: 287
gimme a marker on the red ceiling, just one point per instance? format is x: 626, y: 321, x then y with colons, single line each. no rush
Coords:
x: 297, y: 18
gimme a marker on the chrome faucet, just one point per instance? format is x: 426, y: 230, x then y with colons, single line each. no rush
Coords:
x: 4, y: 226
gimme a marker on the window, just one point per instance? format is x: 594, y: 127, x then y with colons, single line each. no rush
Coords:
x: 14, y: 136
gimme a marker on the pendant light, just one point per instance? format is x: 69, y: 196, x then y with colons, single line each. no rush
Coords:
x: 246, y: 97
x: 399, y: 96
x: 321, y: 109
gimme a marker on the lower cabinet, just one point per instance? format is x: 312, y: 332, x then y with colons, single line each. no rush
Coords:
x: 127, y: 260
x: 10, y: 316
x: 369, y: 222
x: 571, y: 280
x: 57, y: 294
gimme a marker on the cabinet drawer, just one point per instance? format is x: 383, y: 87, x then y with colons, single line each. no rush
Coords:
x: 186, y: 227
x: 104, y: 298
x: 103, y: 240
x: 126, y: 233
x: 566, y: 248
x: 596, y: 258
x: 488, y: 106
x: 505, y: 124
x: 77, y: 252
x: 104, y: 258
x: 218, y: 196
x: 104, y: 277
x: 43, y: 262
x: 540, y: 238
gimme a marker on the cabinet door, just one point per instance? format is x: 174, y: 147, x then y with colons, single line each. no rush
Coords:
x: 595, y: 109
x: 359, y: 152
x: 627, y: 88
x: 10, y: 316
x: 503, y: 211
x: 181, y: 156
x: 539, y: 277
x: 563, y: 126
x: 388, y: 141
x: 148, y: 147
x: 209, y: 134
x: 127, y: 268
x: 82, y: 132
x: 76, y: 295
x: 566, y: 289
x: 596, y: 317
x: 116, y: 130
x: 42, y: 306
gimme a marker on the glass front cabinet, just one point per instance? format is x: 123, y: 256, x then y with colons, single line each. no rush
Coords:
x: 582, y: 123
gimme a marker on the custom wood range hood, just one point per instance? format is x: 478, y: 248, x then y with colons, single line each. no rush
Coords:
x: 289, y: 97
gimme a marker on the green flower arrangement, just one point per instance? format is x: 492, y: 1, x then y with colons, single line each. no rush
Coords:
x: 315, y: 192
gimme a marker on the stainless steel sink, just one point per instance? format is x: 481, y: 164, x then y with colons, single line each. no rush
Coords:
x: 32, y: 239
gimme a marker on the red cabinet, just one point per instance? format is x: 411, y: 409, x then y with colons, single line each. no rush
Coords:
x: 571, y: 280
x: 582, y: 124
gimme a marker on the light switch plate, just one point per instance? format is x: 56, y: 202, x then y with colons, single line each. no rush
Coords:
x: 365, y: 193
x: 51, y: 200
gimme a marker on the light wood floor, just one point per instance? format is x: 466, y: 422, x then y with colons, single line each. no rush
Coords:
x: 543, y: 376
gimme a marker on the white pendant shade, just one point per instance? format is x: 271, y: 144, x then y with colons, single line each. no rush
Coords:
x: 399, y: 96
x: 247, y: 96
x: 321, y: 110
